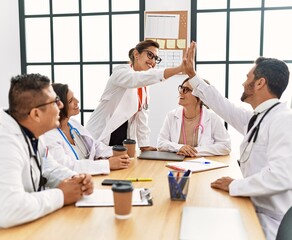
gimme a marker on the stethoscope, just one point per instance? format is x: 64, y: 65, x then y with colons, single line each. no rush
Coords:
x: 253, y: 137
x: 145, y: 106
x: 79, y: 142
x: 198, y: 126
x: 37, y: 158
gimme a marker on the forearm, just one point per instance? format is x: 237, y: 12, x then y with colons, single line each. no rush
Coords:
x: 169, y: 72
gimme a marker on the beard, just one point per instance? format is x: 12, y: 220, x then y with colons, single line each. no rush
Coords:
x: 248, y: 91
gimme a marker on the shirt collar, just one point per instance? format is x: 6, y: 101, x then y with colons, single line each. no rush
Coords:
x: 32, y: 138
x: 265, y: 105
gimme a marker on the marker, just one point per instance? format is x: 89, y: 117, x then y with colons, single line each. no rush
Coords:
x: 176, y: 168
x: 139, y: 179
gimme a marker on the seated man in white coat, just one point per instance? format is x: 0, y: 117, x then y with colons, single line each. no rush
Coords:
x: 26, y: 167
x: 265, y: 153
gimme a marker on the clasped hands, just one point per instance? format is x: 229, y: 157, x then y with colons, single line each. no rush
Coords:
x: 187, y: 151
x: 75, y: 187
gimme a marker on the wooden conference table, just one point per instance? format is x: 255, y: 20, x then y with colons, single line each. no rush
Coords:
x: 160, y: 221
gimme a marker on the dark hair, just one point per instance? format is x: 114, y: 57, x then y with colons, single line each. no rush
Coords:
x: 275, y: 72
x: 62, y: 90
x: 142, y: 46
x: 202, y: 103
x: 26, y: 92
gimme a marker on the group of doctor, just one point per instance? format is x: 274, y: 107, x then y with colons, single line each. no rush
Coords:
x: 40, y: 143
x: 190, y: 130
x: 193, y: 130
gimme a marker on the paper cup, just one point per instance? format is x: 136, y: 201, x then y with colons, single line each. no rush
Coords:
x: 119, y: 150
x: 122, y: 199
x: 130, y: 144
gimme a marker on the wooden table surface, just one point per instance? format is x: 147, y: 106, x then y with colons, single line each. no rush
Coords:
x: 160, y: 221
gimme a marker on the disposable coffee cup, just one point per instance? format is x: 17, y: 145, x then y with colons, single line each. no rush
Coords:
x: 119, y: 150
x: 122, y: 199
x: 130, y: 144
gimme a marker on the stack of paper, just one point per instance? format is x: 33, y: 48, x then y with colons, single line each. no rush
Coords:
x: 104, y: 197
x: 196, y: 165
x: 200, y: 223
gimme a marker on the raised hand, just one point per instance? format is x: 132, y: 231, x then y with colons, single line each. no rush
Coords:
x: 189, y: 60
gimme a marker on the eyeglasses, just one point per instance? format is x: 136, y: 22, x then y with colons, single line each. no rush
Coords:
x: 56, y: 101
x: 151, y: 55
x: 183, y: 89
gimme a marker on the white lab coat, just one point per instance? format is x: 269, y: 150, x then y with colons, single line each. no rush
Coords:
x: 215, y: 139
x: 119, y: 103
x: 18, y: 201
x: 61, y: 151
x: 267, y: 172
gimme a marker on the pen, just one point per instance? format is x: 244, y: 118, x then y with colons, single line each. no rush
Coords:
x: 139, y: 179
x: 204, y: 162
x: 46, y: 153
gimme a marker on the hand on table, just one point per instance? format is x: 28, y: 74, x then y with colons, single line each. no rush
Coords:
x: 222, y: 183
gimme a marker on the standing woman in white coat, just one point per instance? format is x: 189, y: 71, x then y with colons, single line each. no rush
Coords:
x: 193, y: 130
x: 73, y: 146
x: 123, y: 109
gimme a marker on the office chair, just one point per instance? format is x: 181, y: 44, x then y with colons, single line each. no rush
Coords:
x: 285, y: 228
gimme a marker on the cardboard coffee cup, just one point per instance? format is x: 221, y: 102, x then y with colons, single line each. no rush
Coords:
x: 130, y: 144
x: 119, y: 150
x: 122, y: 199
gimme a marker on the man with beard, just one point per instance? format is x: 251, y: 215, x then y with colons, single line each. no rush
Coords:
x: 265, y: 153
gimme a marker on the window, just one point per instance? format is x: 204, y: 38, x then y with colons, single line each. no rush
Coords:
x: 231, y: 34
x: 78, y: 42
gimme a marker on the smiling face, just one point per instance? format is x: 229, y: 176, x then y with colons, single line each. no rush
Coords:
x: 49, y: 113
x: 186, y: 98
x: 73, y: 107
x: 146, y: 59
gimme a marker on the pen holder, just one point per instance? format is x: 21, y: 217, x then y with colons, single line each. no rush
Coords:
x: 178, y: 185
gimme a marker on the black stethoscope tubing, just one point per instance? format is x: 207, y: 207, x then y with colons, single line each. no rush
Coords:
x: 255, y: 131
x: 43, y: 180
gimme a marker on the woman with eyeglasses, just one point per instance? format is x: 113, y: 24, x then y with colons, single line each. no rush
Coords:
x: 123, y: 109
x: 73, y: 146
x: 193, y: 130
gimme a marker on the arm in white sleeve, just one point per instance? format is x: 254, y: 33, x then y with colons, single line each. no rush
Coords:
x: 164, y: 141
x: 235, y: 116
x: 59, y: 151
x: 18, y: 204
x: 221, y: 143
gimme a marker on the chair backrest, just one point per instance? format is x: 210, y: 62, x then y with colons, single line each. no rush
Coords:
x: 285, y: 228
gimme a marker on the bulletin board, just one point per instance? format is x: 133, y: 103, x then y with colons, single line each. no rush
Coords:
x: 169, y: 29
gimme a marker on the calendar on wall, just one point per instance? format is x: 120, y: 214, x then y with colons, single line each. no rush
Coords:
x: 169, y: 29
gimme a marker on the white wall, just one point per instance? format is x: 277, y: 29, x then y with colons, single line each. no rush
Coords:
x: 9, y: 47
x: 164, y: 96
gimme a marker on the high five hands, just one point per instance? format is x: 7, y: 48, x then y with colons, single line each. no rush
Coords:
x: 189, y: 60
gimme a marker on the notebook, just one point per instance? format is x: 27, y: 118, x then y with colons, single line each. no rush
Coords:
x: 158, y: 155
x: 199, y: 223
x: 105, y: 198
x: 196, y: 165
